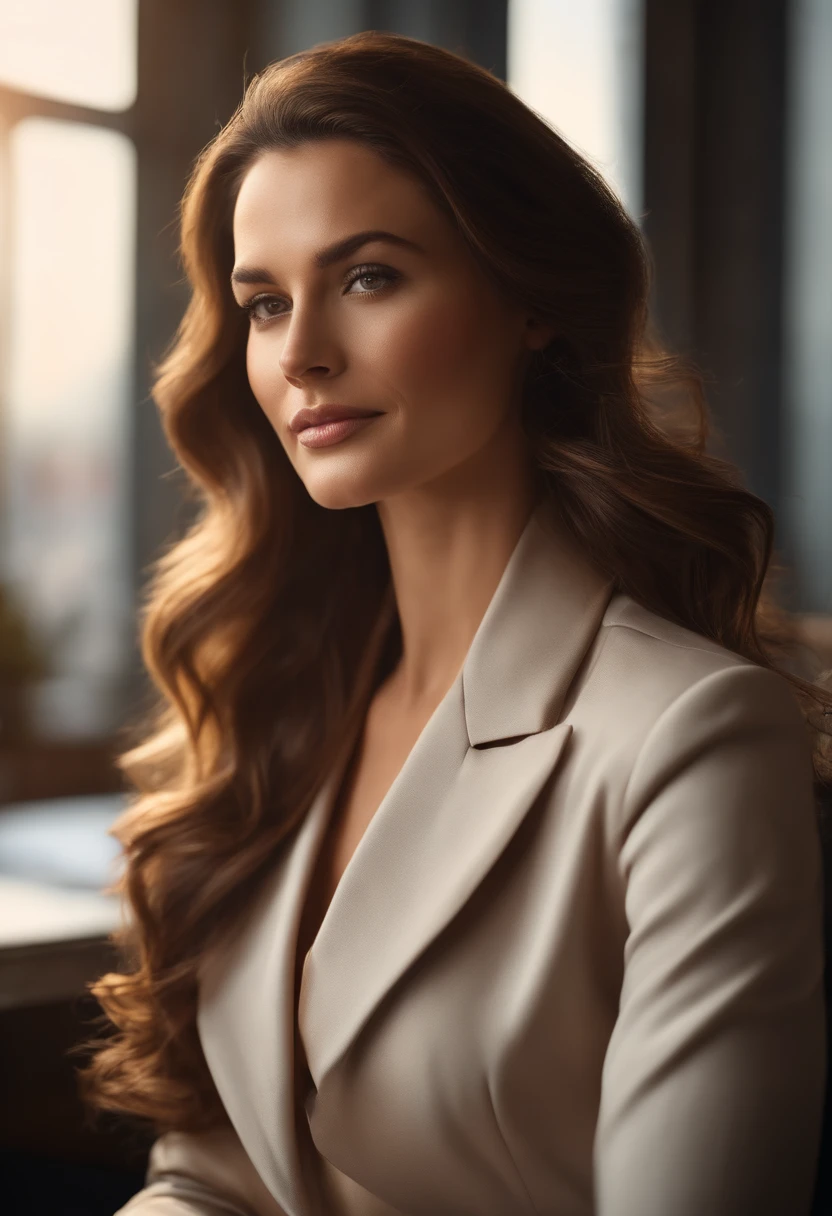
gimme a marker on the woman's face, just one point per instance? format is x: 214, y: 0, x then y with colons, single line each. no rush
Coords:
x: 411, y: 328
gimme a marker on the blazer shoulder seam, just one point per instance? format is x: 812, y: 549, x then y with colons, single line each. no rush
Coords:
x: 710, y: 647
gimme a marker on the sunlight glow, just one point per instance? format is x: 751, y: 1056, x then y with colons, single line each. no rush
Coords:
x: 68, y: 393
x: 79, y: 51
x: 579, y: 66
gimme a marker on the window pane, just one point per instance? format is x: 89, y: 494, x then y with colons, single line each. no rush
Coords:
x: 81, y: 51
x: 579, y: 65
x: 808, y: 303
x: 68, y: 396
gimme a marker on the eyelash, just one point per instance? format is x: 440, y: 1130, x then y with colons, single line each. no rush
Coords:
x: 358, y: 272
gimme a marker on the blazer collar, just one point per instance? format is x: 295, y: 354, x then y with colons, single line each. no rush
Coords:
x: 447, y: 817
x: 541, y: 619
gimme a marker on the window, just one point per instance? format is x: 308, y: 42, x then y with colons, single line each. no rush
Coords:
x: 808, y: 303
x: 67, y: 201
x: 83, y: 52
x: 580, y: 67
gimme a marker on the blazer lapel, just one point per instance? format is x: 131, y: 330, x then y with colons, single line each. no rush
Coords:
x: 245, y: 1016
x: 449, y: 814
x: 451, y: 811
x: 458, y: 799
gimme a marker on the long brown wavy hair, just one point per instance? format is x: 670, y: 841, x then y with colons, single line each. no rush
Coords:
x: 267, y: 627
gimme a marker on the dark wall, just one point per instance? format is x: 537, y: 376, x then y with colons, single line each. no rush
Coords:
x: 715, y: 80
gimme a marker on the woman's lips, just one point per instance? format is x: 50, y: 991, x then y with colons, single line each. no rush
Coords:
x: 327, y: 433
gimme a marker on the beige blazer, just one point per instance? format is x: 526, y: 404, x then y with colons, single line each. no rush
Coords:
x: 575, y: 964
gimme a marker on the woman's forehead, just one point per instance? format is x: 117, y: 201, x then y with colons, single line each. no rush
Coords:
x: 306, y: 199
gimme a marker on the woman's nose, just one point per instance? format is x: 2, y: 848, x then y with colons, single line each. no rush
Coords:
x: 309, y: 347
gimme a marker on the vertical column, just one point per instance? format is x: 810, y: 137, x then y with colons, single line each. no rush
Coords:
x: 714, y: 104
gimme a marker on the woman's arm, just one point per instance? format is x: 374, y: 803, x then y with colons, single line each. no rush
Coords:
x: 205, y: 1174
x: 713, y: 1082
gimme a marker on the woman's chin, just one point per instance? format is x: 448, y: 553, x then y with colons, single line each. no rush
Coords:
x: 335, y: 497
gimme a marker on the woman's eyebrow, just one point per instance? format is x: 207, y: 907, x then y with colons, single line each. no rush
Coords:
x: 329, y: 255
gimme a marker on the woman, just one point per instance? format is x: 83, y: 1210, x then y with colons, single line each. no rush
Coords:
x: 474, y: 867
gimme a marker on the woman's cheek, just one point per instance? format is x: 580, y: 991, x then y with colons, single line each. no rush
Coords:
x: 259, y: 377
x: 427, y: 347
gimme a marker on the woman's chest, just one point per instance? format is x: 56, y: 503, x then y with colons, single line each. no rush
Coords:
x: 375, y: 764
x: 384, y: 745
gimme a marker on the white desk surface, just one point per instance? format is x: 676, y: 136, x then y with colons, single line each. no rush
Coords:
x: 32, y: 913
x: 55, y: 919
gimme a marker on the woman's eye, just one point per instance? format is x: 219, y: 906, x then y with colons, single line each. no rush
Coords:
x: 360, y: 278
x: 259, y: 309
x: 262, y: 302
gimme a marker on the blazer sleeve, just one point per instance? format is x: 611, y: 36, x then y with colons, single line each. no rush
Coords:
x: 201, y: 1174
x: 713, y: 1082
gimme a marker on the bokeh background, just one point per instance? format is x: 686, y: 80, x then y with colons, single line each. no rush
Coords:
x: 711, y: 119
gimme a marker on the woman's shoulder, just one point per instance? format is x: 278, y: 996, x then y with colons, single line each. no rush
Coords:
x: 655, y: 652
x: 670, y: 717
x: 647, y: 668
x: 657, y: 635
